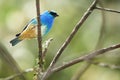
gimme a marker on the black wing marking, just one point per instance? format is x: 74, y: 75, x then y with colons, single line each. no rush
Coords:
x: 22, y: 31
x: 25, y: 28
x: 27, y: 24
x: 17, y: 34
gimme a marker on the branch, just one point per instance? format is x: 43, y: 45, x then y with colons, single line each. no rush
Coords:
x: 86, y: 66
x: 102, y: 28
x: 5, y: 55
x: 45, y: 46
x: 39, y: 36
x: 68, y: 40
x: 80, y: 72
x: 86, y: 57
x: 107, y: 9
x: 111, y: 66
x: 18, y: 74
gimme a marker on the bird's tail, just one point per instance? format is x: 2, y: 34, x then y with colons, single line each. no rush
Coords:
x: 15, y: 41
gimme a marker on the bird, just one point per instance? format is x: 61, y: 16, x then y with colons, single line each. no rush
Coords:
x: 30, y: 30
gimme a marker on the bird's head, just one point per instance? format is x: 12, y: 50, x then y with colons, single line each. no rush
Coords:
x: 53, y: 13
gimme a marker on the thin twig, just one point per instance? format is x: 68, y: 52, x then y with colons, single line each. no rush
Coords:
x: 18, y: 74
x: 68, y: 40
x: 86, y: 57
x: 102, y: 28
x: 111, y: 66
x: 45, y: 46
x: 107, y: 9
x: 81, y: 71
x: 5, y: 55
x: 39, y: 35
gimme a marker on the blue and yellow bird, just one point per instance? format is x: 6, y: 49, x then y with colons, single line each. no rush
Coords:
x: 30, y: 30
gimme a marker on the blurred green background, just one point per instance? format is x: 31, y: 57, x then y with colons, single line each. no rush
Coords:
x: 14, y: 14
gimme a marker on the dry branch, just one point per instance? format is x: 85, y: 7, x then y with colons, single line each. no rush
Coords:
x: 6, y: 56
x: 17, y: 74
x: 107, y: 9
x: 45, y: 47
x: 86, y: 57
x: 68, y: 40
x: 82, y: 58
x: 106, y: 65
x: 39, y: 37
x: 80, y: 72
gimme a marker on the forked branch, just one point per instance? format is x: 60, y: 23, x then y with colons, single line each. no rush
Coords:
x: 68, y: 40
x: 86, y: 57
